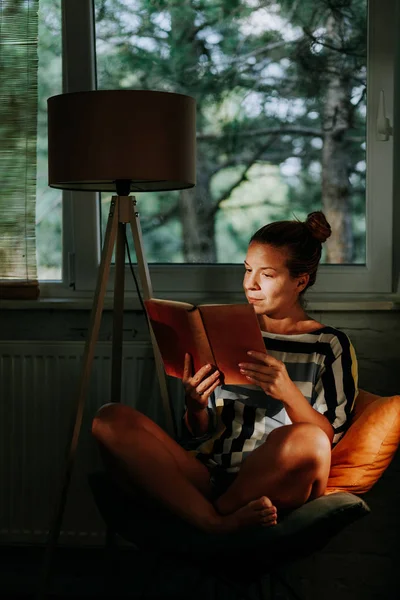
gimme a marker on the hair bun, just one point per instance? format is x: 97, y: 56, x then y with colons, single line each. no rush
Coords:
x: 318, y: 226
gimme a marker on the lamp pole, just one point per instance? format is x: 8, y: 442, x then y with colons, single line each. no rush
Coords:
x: 122, y: 211
x: 123, y: 141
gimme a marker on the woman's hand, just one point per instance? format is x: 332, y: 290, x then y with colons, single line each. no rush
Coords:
x: 198, y: 387
x: 270, y: 374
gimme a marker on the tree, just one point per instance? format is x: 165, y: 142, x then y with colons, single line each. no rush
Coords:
x: 280, y: 91
x: 48, y: 200
x: 332, y: 63
x: 243, y: 72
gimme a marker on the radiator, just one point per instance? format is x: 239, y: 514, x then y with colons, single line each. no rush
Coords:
x: 38, y: 385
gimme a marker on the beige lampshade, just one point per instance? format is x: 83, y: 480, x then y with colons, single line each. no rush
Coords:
x: 99, y: 137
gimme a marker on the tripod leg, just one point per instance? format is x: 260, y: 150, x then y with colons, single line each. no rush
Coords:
x: 93, y: 332
x: 118, y: 317
x: 147, y: 293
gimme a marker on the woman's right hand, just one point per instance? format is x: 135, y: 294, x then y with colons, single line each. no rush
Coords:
x: 198, y: 387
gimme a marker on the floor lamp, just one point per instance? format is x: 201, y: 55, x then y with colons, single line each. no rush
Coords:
x: 118, y: 141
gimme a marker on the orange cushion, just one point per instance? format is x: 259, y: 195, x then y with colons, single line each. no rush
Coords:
x: 368, y: 446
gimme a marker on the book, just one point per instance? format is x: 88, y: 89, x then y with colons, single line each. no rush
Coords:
x: 217, y: 334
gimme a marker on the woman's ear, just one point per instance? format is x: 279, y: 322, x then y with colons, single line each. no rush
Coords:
x: 302, y: 281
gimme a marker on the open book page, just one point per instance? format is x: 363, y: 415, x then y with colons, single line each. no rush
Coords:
x: 232, y: 330
x: 178, y: 329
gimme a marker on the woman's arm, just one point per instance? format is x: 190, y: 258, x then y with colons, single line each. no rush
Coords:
x: 335, y: 389
x: 300, y: 411
x: 197, y: 422
x: 337, y: 385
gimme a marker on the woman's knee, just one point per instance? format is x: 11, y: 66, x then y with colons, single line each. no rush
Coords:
x: 113, y: 419
x: 302, y: 443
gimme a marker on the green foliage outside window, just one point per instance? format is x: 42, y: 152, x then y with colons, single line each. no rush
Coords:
x: 280, y: 91
x: 48, y: 200
x: 281, y: 104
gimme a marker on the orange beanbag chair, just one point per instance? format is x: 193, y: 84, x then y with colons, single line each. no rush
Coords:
x: 368, y: 446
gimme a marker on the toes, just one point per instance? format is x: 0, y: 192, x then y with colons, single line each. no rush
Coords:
x: 265, y: 510
x: 269, y: 516
x: 261, y: 503
x: 269, y: 512
x: 265, y: 502
x: 269, y: 520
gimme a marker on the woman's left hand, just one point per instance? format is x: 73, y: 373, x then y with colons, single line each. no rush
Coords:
x: 270, y: 374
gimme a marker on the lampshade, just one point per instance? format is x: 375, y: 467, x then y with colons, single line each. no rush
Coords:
x: 146, y: 139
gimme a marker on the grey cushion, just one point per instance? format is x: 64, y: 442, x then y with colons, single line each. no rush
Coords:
x: 301, y: 532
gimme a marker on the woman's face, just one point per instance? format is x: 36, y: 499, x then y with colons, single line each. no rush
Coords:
x: 267, y: 282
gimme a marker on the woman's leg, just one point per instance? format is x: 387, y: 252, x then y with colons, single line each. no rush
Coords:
x: 291, y: 467
x: 125, y: 419
x: 156, y: 464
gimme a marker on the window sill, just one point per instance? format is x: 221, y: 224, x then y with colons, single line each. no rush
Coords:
x: 316, y: 302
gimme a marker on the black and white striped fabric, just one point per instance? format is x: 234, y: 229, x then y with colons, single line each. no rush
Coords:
x: 322, y: 364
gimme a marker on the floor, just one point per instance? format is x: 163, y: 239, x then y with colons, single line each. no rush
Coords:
x: 75, y: 573
x: 91, y: 573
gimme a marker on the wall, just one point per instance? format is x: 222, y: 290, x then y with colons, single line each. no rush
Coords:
x: 359, y: 562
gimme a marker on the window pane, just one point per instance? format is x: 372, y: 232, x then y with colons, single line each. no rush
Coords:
x: 48, y: 201
x: 281, y: 113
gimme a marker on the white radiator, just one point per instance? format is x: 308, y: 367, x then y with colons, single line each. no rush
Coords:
x: 38, y: 384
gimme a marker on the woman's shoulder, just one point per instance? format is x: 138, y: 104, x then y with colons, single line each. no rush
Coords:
x: 311, y: 332
x: 337, y: 339
x: 329, y: 330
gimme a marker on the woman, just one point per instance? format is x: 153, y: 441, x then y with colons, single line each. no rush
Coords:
x: 261, y: 448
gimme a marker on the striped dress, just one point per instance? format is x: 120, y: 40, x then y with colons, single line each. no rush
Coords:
x: 322, y: 364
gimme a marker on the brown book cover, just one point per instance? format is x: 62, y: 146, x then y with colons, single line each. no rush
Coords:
x: 219, y: 334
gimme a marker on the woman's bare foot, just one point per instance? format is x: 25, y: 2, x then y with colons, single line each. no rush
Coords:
x: 257, y: 512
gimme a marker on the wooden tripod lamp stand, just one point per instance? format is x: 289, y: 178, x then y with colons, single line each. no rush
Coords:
x: 119, y: 141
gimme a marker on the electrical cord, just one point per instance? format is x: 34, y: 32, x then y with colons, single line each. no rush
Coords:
x: 135, y: 280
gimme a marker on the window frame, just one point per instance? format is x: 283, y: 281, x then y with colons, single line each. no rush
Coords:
x: 81, y: 218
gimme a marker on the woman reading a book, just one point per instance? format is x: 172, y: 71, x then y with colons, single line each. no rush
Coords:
x: 250, y: 452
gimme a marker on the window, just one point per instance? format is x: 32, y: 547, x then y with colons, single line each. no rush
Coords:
x: 260, y: 122
x: 281, y: 110
x: 48, y: 200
